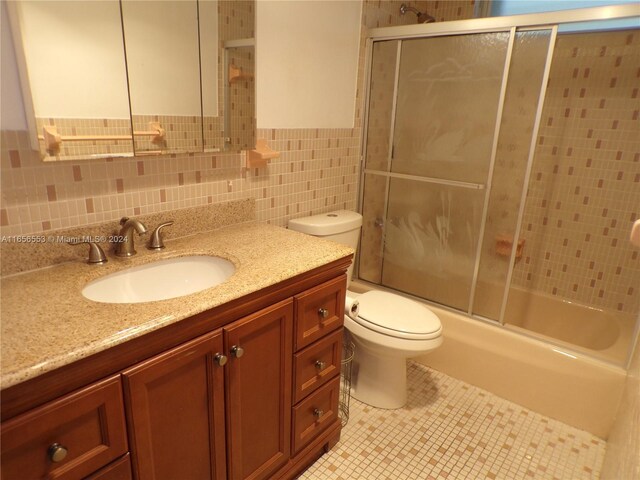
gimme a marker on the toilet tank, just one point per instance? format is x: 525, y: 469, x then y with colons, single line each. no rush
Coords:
x: 342, y: 226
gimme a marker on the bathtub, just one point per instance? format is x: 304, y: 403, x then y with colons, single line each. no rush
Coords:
x: 562, y: 384
x: 605, y: 334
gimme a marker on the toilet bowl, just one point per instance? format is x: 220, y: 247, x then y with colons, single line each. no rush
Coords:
x: 389, y: 328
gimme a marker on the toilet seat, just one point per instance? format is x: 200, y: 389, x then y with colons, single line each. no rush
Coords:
x: 396, y: 316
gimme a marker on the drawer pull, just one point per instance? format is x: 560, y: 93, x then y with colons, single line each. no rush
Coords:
x: 320, y: 365
x: 323, y: 312
x: 318, y: 413
x: 220, y: 359
x: 57, y: 452
x: 237, y: 351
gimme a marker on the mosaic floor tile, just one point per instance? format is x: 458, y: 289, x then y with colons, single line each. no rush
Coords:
x: 453, y: 430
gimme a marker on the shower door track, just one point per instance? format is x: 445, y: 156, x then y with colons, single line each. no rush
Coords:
x: 494, y: 24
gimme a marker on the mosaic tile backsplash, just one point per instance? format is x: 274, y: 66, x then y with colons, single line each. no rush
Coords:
x: 237, y: 21
x: 316, y: 172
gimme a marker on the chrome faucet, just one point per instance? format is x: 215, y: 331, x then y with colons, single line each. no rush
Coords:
x: 125, y: 247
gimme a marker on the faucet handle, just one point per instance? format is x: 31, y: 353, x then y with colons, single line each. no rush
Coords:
x: 96, y: 254
x: 156, y: 242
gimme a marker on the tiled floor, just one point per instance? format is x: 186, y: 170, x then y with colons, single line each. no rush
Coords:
x: 452, y: 430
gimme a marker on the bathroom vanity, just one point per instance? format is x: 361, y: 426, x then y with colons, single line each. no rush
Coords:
x: 238, y: 381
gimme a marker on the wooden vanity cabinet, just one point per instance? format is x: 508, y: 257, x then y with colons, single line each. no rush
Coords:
x: 176, y: 403
x: 214, y: 396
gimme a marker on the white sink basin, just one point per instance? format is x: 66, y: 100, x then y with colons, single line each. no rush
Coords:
x: 160, y: 280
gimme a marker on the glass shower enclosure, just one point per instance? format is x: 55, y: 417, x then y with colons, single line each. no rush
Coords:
x: 501, y: 173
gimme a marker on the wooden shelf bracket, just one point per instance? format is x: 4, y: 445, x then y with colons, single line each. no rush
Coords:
x: 261, y: 155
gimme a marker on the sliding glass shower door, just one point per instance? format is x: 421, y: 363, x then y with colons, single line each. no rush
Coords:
x: 430, y: 152
x: 501, y: 172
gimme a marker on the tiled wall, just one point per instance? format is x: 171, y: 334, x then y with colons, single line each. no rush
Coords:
x: 182, y: 133
x: 584, y: 192
x: 212, y: 133
x: 317, y: 171
x: 384, y: 13
x: 241, y: 109
x: 236, y: 20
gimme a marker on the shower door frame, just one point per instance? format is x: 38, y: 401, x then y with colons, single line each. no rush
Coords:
x: 512, y: 24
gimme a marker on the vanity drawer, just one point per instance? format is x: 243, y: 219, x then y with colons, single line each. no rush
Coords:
x: 316, y: 364
x: 319, y: 311
x: 88, y: 424
x: 315, y: 413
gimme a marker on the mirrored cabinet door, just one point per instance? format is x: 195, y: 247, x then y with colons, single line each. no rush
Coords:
x: 136, y: 77
x: 163, y: 66
x: 212, y: 116
x: 74, y: 77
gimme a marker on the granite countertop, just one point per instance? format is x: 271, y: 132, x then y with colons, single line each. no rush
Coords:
x: 47, y: 323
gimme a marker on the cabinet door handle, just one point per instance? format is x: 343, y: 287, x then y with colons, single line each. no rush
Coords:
x: 57, y: 452
x: 220, y: 359
x: 320, y: 365
x: 237, y: 351
x: 318, y: 413
x: 323, y: 312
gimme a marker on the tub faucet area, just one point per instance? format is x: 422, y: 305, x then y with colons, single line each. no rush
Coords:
x: 125, y: 248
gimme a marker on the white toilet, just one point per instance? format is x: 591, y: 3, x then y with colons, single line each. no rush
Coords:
x: 389, y: 328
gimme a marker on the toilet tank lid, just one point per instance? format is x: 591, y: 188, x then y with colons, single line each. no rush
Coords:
x: 327, y: 223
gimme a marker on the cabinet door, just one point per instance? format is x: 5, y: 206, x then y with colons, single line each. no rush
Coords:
x: 259, y: 392
x: 175, y: 410
x: 68, y: 438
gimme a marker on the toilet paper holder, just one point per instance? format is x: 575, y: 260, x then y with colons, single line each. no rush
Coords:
x: 351, y: 307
